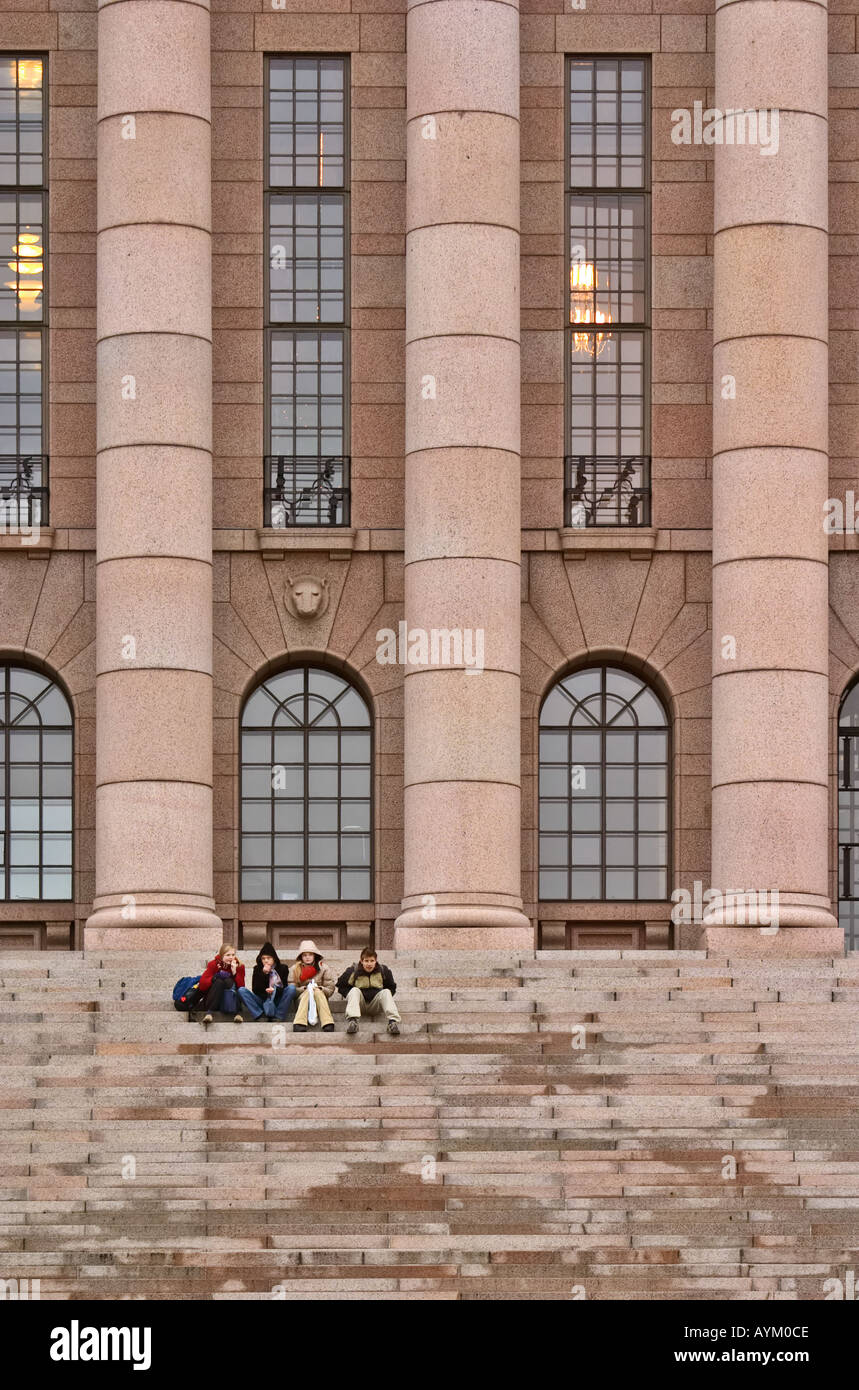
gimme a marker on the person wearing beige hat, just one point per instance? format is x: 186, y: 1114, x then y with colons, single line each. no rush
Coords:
x: 314, y: 981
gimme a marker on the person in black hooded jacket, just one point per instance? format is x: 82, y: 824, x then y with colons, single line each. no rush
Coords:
x: 270, y: 994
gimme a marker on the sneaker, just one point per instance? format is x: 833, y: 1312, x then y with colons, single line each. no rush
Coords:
x: 352, y: 1026
x: 207, y: 1018
x: 299, y: 1027
x: 393, y: 1028
x: 238, y: 1019
x: 328, y: 1027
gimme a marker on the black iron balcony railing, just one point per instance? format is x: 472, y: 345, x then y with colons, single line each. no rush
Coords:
x: 306, y: 491
x: 23, y: 490
x: 606, y: 491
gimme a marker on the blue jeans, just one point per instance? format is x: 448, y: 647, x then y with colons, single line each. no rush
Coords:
x: 274, y: 1006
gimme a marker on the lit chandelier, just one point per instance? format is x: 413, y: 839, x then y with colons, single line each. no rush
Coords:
x: 27, y: 254
x: 584, y: 281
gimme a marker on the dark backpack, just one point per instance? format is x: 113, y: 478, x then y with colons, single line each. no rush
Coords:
x: 185, y: 992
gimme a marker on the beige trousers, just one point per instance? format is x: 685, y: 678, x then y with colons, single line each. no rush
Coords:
x: 356, y: 1004
x: 323, y: 1008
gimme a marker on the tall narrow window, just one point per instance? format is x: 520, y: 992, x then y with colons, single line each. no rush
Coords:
x: 306, y: 790
x: 36, y: 796
x: 607, y: 467
x: 848, y: 817
x: 307, y: 292
x: 604, y: 794
x: 23, y: 205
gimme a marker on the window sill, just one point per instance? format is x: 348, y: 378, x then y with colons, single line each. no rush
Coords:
x: 39, y: 543
x: 639, y: 541
x: 275, y: 542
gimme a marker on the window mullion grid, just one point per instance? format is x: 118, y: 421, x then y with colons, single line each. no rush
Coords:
x: 338, y: 809
x: 594, y: 127
x: 618, y: 124
x: 41, y: 814
x: 8, y: 798
x: 273, y: 830
x: 296, y: 328
x: 603, y: 814
x: 618, y: 192
x: 569, y: 807
x: 305, y: 879
x: 603, y: 782
x: 847, y: 844
x: 17, y: 124
x: 636, y: 819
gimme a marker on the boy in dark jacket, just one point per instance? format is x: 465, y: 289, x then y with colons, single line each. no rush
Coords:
x: 270, y: 994
x: 369, y: 987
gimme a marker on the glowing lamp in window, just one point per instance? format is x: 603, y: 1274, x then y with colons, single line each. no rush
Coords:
x: 27, y: 270
x: 584, y: 283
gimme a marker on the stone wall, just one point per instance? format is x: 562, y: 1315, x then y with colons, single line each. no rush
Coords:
x: 646, y: 603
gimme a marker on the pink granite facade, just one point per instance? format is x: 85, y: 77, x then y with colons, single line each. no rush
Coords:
x: 457, y: 427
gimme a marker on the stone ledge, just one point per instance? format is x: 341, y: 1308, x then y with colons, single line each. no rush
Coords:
x: 639, y: 541
x: 39, y: 543
x: 274, y: 543
x: 340, y: 541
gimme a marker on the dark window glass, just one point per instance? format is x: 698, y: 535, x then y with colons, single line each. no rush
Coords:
x: 306, y: 790
x: 23, y: 204
x: 307, y: 282
x: 608, y: 201
x: 604, y: 791
x: 22, y: 124
x: 307, y: 468
x: 307, y: 122
x: 848, y: 817
x: 22, y: 247
x: 607, y: 252
x: 20, y: 393
x: 608, y: 123
x: 36, y: 801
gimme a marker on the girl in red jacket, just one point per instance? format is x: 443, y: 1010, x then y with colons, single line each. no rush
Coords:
x: 220, y: 982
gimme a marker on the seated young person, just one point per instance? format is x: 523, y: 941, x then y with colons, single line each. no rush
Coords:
x: 271, y: 993
x: 219, y: 984
x: 314, y: 981
x: 369, y: 988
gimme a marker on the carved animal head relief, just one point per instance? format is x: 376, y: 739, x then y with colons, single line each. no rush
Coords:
x: 306, y: 597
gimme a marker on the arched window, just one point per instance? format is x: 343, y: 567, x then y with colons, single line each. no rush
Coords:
x: 306, y: 790
x: 848, y: 817
x: 604, y: 789
x: 37, y: 786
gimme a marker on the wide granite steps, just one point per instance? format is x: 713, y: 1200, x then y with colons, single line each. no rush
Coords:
x: 628, y: 1124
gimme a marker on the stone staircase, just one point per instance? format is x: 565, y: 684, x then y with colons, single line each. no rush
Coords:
x: 552, y: 1126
